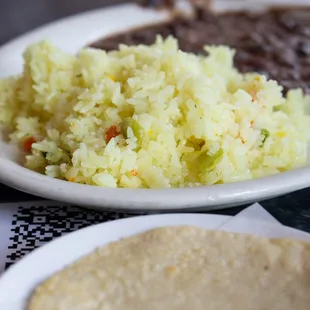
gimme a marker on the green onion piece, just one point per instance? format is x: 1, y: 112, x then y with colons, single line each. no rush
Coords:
x: 136, y: 128
x: 265, y: 133
x: 209, y: 162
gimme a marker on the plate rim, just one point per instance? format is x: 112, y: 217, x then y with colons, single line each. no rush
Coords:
x: 152, y: 199
x: 214, y: 196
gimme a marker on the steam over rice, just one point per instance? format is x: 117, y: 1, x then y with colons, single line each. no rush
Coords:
x: 151, y: 116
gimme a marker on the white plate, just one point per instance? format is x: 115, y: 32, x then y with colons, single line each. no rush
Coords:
x: 17, y: 284
x: 71, y: 34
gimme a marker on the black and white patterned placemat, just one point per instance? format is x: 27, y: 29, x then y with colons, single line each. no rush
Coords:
x: 26, y: 226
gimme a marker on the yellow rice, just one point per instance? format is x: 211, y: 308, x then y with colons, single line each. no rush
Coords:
x: 200, y: 120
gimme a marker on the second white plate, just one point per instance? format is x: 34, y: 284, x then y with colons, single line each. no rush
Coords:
x: 17, y: 284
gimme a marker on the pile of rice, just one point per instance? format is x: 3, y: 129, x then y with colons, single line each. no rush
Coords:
x: 151, y: 117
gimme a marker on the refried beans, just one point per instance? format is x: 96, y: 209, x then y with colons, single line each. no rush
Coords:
x: 275, y: 43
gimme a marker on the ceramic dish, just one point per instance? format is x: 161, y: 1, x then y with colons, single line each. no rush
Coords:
x: 75, y: 32
x: 19, y: 281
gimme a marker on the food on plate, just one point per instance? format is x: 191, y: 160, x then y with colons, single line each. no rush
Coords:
x: 151, y: 117
x: 274, y: 42
x: 183, y: 268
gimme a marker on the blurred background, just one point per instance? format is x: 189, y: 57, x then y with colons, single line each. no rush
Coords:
x: 20, y: 16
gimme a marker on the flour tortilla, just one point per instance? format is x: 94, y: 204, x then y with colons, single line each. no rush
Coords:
x: 184, y: 268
